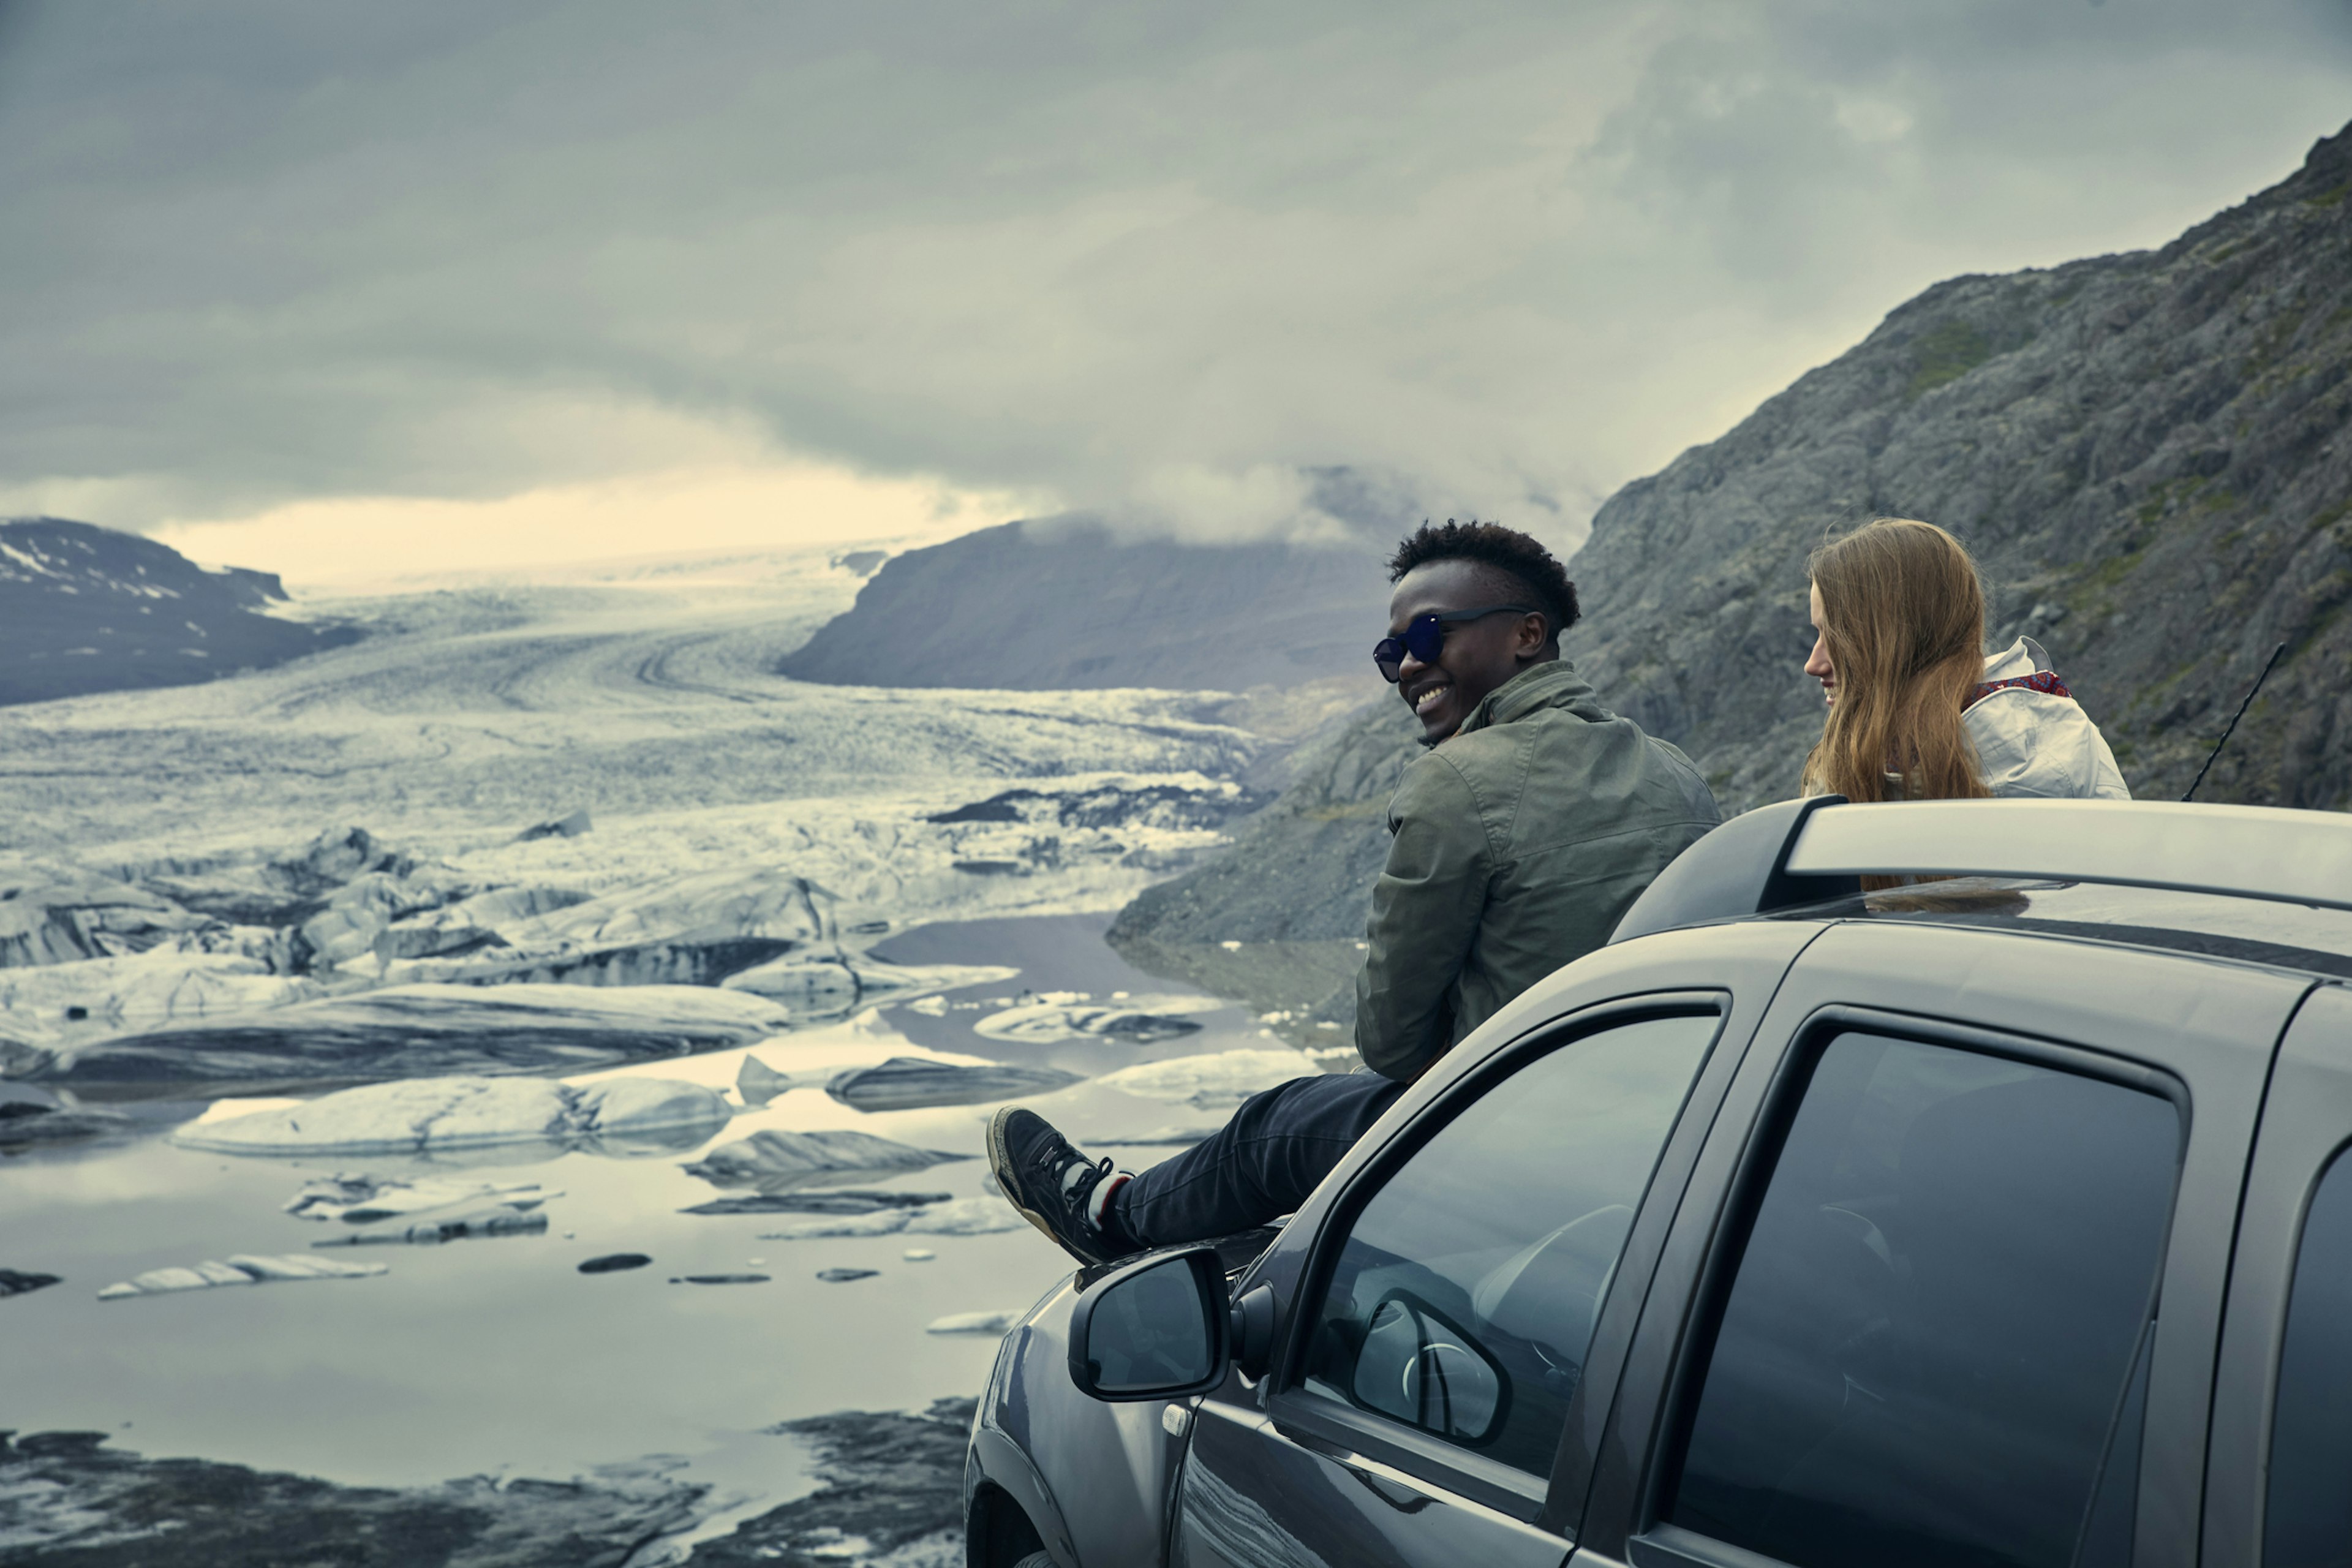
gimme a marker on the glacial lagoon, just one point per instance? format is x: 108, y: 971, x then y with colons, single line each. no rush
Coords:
x: 886, y: 946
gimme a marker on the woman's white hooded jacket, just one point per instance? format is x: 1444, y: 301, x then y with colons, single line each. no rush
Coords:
x: 2031, y: 736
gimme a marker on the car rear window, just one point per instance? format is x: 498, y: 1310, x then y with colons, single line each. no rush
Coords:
x: 1932, y: 1351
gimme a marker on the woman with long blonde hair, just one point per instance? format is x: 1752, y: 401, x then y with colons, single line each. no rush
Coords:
x: 1916, y: 709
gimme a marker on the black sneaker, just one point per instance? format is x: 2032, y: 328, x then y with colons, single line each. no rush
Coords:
x: 1050, y: 1183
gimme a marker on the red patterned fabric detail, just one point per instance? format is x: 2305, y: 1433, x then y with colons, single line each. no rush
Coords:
x: 2042, y: 680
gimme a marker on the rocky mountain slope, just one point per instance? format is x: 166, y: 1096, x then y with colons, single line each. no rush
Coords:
x: 1049, y: 605
x: 86, y: 609
x: 2149, y: 453
x: 1279, y: 918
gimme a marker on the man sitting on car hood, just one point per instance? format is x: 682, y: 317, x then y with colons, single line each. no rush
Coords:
x: 1519, y: 840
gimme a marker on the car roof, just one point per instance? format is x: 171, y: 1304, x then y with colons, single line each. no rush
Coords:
x: 2316, y: 942
x: 2247, y: 884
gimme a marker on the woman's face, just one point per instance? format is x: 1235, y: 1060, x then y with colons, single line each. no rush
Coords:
x: 1817, y: 663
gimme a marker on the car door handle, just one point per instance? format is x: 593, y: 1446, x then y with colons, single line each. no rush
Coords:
x: 1376, y: 1478
x: 1396, y: 1494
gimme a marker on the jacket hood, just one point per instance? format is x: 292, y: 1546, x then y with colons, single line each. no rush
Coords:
x: 2024, y: 656
x: 1554, y: 683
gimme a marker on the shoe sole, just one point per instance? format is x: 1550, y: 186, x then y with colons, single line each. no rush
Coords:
x: 1000, y: 1164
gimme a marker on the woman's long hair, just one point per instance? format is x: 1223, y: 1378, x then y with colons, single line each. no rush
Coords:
x: 1903, y: 611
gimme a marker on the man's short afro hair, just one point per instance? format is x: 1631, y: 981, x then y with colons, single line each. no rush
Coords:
x: 1506, y: 550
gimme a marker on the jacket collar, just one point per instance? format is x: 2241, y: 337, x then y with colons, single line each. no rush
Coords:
x: 1554, y: 683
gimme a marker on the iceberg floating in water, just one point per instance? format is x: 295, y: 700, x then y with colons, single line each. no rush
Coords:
x: 1137, y: 1021
x: 242, y: 1269
x: 431, y: 1031
x: 496, y: 1221
x: 774, y: 1160
x: 145, y: 990
x: 425, y: 1115
x: 962, y: 1217
x: 365, y: 1200
x: 824, y: 1200
x: 973, y: 1323
x: 1214, y: 1078
x: 907, y: 1083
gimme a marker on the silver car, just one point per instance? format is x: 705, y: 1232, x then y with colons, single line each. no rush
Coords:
x: 1991, y: 1217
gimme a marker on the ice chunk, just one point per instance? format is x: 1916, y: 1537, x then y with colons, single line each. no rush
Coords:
x: 880, y: 1221
x: 962, y: 1217
x: 488, y: 1222
x: 626, y: 1107
x: 29, y: 1122
x: 729, y: 904
x: 52, y: 913
x: 965, y: 1216
x: 810, y: 984
x: 906, y: 982
x: 1214, y: 1078
x: 918, y: 1254
x: 363, y: 1200
x: 759, y: 1083
x: 424, y: 1115
x: 1137, y: 1021
x: 828, y: 981
x: 995, y: 1323
x: 904, y: 1083
x: 244, y: 1268
x: 843, y: 1276
x: 429, y: 1031
x: 824, y: 1200
x: 774, y: 1160
x: 141, y: 990
x: 568, y: 826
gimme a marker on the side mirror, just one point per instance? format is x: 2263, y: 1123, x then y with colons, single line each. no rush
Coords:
x: 1163, y: 1327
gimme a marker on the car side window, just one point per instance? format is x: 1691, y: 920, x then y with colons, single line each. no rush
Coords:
x: 1464, y: 1299
x: 1934, y: 1348
x: 2308, y: 1521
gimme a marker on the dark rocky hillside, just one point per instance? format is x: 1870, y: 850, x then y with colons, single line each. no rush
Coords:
x: 1292, y: 892
x: 86, y: 609
x: 2151, y: 455
x: 1064, y: 602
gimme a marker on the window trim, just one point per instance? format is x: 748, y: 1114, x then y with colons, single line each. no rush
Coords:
x: 1518, y: 1493
x: 1654, y: 1539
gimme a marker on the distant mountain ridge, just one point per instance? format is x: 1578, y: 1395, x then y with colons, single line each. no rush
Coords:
x: 85, y: 609
x: 2150, y: 453
x: 1049, y: 604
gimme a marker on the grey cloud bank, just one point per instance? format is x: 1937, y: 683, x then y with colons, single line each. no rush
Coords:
x: 1166, y: 264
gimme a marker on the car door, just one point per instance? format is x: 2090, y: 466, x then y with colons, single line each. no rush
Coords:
x: 1447, y: 1313
x: 1946, y: 1283
x: 2279, y: 1477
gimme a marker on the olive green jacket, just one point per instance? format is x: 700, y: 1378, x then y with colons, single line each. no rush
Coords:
x: 1518, y: 843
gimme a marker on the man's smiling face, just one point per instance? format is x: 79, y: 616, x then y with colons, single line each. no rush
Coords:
x: 1478, y: 655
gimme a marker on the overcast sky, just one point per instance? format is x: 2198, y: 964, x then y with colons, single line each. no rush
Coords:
x: 359, y: 282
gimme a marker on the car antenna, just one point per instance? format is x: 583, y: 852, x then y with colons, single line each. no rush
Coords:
x: 2240, y: 713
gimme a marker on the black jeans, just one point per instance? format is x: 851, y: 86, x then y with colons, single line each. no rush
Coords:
x: 1258, y: 1166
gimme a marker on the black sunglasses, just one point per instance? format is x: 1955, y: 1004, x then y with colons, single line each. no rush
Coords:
x: 1425, y: 636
